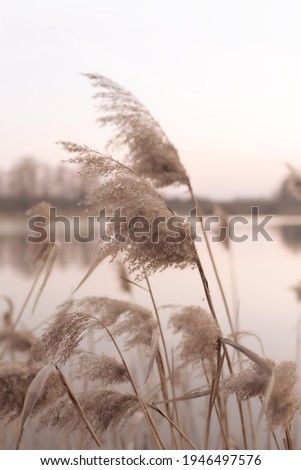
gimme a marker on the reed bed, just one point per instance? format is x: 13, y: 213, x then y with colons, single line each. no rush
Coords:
x: 173, y: 378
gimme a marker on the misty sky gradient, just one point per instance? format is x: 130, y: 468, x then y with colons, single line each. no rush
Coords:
x: 222, y: 77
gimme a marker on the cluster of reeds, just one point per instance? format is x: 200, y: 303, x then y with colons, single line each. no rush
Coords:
x: 197, y: 390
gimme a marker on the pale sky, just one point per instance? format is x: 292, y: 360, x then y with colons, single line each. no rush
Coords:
x: 223, y: 77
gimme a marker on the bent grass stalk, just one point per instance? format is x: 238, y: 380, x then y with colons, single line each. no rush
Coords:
x: 148, y: 417
x: 165, y: 352
x: 212, y: 310
x: 220, y: 285
x: 79, y: 408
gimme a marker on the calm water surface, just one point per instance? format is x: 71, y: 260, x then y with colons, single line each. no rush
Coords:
x: 265, y: 272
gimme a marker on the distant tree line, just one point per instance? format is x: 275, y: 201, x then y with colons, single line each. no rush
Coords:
x: 28, y: 182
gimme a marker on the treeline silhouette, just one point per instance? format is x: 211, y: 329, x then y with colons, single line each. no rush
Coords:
x: 29, y: 182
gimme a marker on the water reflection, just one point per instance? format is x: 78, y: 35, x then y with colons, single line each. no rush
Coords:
x: 268, y: 306
x: 15, y: 252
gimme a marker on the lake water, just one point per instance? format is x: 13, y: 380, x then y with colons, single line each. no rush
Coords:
x: 265, y: 272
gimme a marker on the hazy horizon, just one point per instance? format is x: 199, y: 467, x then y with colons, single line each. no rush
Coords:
x: 222, y: 78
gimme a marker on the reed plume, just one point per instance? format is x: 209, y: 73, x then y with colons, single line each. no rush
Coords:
x: 102, y: 368
x: 15, y: 378
x: 134, y: 198
x: 64, y: 334
x: 106, y: 409
x: 149, y: 151
x: 200, y: 334
x: 283, y: 403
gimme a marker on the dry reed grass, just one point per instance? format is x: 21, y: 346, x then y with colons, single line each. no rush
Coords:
x: 36, y: 388
x: 149, y: 152
x: 121, y: 189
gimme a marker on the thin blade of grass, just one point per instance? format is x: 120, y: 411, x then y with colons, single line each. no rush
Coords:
x: 213, y: 395
x: 160, y: 363
x: 49, y: 266
x: 134, y: 283
x: 236, y: 334
x: 250, y: 354
x: 32, y: 395
x: 187, y: 396
x: 153, y: 353
x: 155, y: 407
x: 148, y: 417
x: 92, y: 268
x: 79, y: 408
x: 266, y: 398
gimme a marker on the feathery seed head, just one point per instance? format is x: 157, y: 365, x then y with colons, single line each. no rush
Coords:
x: 75, y: 318
x: 150, y: 153
x: 106, y: 409
x: 200, y: 334
x: 134, y: 198
x: 284, y: 401
x: 15, y: 378
x: 103, y: 369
